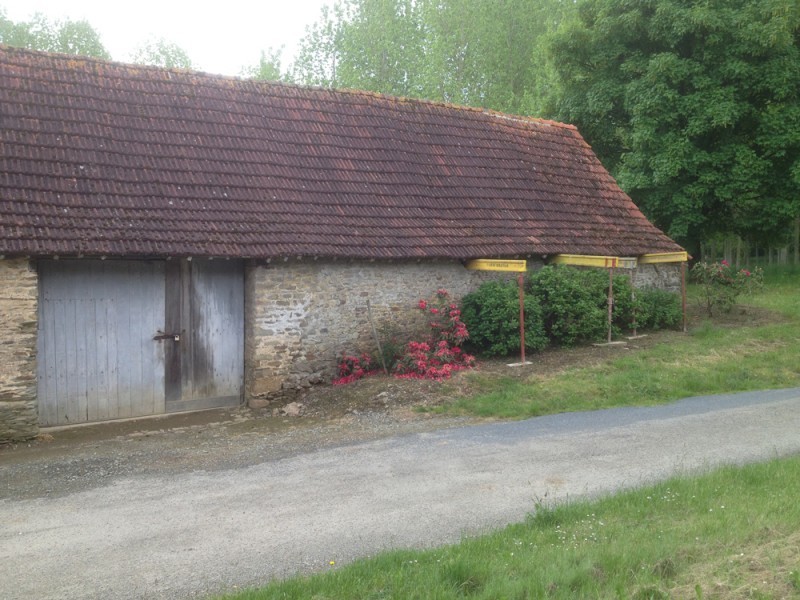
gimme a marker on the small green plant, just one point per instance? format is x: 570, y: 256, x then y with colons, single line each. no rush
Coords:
x: 721, y: 284
x: 491, y: 314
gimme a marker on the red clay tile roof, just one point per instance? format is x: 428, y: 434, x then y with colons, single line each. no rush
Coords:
x: 101, y: 158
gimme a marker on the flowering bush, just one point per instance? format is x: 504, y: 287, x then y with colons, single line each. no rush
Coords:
x: 353, y: 368
x: 435, y: 358
x: 720, y: 284
x: 441, y: 355
x: 421, y: 361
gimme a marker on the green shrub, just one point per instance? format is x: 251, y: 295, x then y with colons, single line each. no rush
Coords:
x: 574, y: 303
x: 491, y: 314
x: 657, y: 309
x: 563, y: 305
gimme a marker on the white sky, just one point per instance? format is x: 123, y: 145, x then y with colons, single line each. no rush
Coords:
x: 219, y: 37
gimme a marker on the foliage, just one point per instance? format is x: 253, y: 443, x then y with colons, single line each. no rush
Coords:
x: 69, y: 37
x: 423, y: 361
x: 268, y: 67
x: 491, y: 314
x: 441, y: 354
x: 486, y: 54
x: 353, y: 368
x: 162, y: 53
x: 721, y: 284
x: 575, y: 303
x: 436, y: 357
x: 695, y: 107
x: 657, y: 309
x: 565, y: 306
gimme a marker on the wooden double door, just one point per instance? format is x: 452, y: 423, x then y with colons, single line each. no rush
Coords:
x: 122, y: 338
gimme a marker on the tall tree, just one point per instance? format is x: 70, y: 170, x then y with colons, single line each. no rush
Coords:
x: 69, y: 37
x: 162, y: 53
x: 318, y: 56
x: 471, y: 52
x: 695, y: 105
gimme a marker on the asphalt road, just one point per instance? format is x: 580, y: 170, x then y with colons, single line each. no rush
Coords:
x: 195, y: 533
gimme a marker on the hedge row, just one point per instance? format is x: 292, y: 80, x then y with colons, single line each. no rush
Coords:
x: 563, y: 306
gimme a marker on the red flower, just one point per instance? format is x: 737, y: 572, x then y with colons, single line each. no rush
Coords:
x: 423, y: 305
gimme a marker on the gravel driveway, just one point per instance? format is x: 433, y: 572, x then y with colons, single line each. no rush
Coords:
x: 197, y: 505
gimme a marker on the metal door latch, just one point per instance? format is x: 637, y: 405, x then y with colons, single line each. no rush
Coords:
x: 160, y: 335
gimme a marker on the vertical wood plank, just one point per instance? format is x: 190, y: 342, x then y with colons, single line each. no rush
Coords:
x: 186, y: 329
x: 139, y: 393
x: 93, y: 358
x: 172, y: 323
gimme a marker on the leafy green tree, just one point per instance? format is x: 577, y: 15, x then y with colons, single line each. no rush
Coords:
x: 162, y: 53
x: 694, y: 105
x: 318, y: 56
x: 268, y: 67
x: 69, y: 37
x: 478, y: 53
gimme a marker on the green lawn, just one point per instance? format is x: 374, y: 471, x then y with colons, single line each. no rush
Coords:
x: 731, y: 533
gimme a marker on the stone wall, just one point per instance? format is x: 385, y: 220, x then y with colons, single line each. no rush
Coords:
x: 300, y: 316
x: 665, y: 276
x: 18, y: 318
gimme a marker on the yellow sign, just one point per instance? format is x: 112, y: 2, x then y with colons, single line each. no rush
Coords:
x: 491, y: 264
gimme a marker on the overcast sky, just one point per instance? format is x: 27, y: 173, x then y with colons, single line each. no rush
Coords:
x: 219, y: 37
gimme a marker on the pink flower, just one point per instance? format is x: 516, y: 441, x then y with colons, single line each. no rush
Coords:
x: 423, y: 305
x: 434, y: 311
x: 725, y: 263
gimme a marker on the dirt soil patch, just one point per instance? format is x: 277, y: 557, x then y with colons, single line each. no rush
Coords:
x: 66, y: 460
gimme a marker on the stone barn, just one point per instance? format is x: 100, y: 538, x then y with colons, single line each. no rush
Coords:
x: 173, y: 241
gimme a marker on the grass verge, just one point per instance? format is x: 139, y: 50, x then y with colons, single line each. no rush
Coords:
x: 712, y: 358
x: 732, y: 533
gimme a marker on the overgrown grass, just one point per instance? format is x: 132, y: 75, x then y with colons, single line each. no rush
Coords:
x: 733, y: 533
x: 711, y: 359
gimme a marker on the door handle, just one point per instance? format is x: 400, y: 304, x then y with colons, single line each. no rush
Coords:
x: 160, y: 335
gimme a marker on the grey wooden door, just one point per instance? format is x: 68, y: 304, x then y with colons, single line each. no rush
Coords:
x: 124, y: 339
x: 205, y: 312
x: 96, y: 356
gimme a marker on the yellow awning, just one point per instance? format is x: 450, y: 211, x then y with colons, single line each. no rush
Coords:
x: 588, y: 260
x: 663, y: 257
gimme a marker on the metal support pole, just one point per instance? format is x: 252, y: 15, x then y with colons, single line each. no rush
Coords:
x: 610, y: 300
x: 521, y: 319
x: 633, y: 303
x: 683, y: 293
